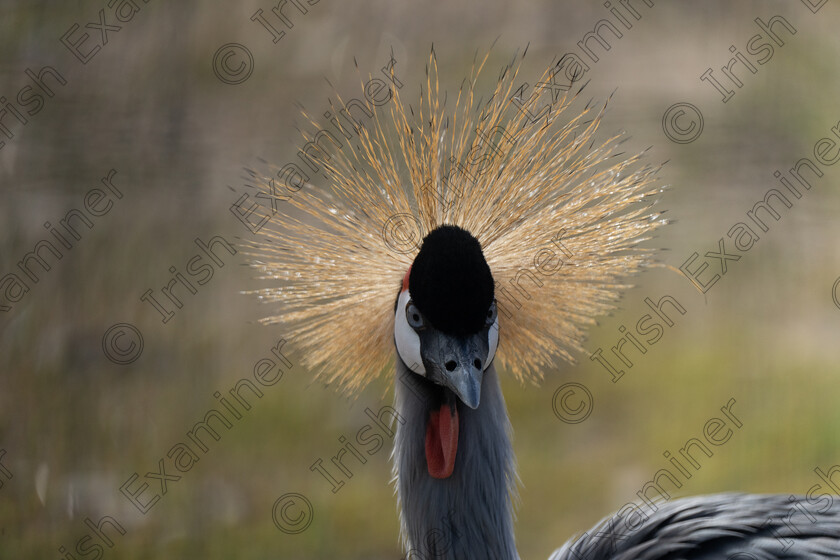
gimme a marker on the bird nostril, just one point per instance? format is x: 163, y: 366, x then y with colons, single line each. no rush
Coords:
x: 450, y: 365
x: 477, y: 363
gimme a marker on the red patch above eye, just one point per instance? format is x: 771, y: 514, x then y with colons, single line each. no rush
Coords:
x: 405, y: 279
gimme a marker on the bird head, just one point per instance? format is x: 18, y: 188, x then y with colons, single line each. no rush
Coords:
x: 446, y: 330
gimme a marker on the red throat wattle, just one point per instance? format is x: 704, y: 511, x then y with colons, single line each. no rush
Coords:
x: 442, y: 441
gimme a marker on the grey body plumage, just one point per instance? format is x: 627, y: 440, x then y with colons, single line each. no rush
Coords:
x: 717, y: 527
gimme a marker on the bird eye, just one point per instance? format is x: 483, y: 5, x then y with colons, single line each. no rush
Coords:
x: 414, y: 317
x: 491, y: 314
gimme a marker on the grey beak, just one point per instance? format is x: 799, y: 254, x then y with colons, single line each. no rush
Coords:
x: 457, y: 363
x: 466, y: 383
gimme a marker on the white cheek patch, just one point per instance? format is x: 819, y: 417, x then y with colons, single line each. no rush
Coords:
x: 406, y: 338
x: 493, y: 340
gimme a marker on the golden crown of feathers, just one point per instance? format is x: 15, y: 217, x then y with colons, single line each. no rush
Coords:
x: 513, y: 182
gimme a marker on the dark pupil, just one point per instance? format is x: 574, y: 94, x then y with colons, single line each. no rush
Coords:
x: 416, y: 317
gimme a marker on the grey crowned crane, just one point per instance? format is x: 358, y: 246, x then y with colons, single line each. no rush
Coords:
x: 503, y: 232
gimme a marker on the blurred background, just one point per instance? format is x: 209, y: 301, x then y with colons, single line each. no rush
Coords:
x: 75, y: 426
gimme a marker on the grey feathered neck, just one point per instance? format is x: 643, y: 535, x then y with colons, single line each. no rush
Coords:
x: 470, y: 514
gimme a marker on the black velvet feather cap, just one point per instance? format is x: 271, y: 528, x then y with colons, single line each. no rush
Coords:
x: 450, y: 281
